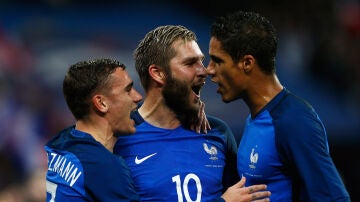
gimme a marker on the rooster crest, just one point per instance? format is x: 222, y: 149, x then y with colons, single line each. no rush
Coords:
x: 254, y: 157
x: 212, y: 151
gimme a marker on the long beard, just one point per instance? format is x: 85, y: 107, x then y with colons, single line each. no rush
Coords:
x: 176, y: 95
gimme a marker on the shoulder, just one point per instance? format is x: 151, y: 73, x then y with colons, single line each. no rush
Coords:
x: 296, y: 120
x: 291, y: 104
x: 293, y: 111
x: 111, y: 166
x: 219, y: 126
x: 217, y: 123
x: 86, y: 149
x: 97, y: 154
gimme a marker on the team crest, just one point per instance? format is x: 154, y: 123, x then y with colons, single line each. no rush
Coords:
x: 212, y: 151
x: 253, y: 158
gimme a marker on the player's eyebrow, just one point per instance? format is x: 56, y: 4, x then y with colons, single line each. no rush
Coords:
x: 193, y: 59
x: 216, y: 59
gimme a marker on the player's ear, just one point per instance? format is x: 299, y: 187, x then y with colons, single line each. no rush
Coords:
x: 157, y: 73
x: 99, y: 103
x: 247, y: 63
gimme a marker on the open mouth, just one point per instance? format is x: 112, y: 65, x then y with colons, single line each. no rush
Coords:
x: 197, y: 88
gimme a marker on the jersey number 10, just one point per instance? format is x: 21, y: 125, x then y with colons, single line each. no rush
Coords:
x: 185, y: 189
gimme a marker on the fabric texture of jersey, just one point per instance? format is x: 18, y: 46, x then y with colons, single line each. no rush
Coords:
x: 179, y: 164
x: 285, y: 146
x: 82, y: 169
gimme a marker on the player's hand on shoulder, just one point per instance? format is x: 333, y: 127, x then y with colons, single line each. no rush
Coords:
x: 239, y: 193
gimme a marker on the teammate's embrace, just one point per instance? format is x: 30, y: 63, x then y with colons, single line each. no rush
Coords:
x: 81, y: 165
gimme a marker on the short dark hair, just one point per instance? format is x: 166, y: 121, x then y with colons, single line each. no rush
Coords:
x: 156, y: 48
x: 247, y: 33
x: 85, y: 78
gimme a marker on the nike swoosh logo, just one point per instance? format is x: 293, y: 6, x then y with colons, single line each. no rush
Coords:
x: 138, y: 161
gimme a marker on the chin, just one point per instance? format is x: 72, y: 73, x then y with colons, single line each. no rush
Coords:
x: 226, y: 99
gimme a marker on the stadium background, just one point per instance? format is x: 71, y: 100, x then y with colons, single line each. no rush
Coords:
x: 318, y: 59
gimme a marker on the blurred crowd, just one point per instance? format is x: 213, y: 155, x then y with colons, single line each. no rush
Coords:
x: 30, y: 113
x: 318, y: 56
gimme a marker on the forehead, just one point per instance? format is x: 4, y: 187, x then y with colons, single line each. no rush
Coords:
x: 216, y: 50
x: 215, y: 46
x: 187, y: 49
x: 121, y: 77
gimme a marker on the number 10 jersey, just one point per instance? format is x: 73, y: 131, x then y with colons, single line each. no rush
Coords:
x: 179, y: 164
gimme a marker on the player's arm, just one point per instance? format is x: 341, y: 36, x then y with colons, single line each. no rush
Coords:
x: 308, y: 143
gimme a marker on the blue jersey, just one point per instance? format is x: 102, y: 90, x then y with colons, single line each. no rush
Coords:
x: 179, y: 164
x: 82, y: 169
x: 285, y: 146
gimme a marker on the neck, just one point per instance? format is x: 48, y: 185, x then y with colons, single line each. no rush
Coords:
x: 262, y: 93
x: 157, y: 113
x: 99, y: 130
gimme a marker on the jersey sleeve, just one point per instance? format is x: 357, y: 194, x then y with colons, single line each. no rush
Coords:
x: 230, y: 175
x: 302, y: 142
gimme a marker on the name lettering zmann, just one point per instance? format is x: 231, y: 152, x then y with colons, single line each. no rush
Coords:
x: 64, y: 168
